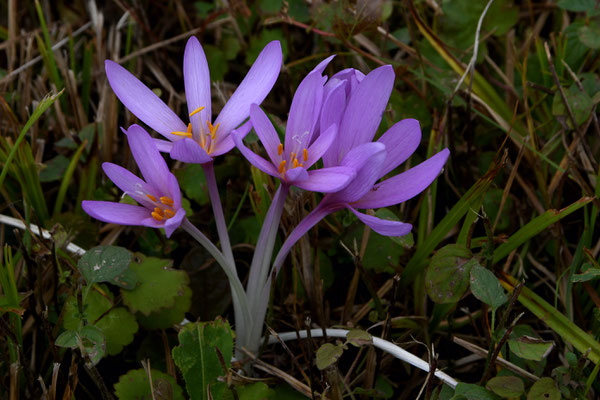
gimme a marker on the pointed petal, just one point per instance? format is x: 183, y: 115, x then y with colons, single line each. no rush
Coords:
x: 196, y: 78
x: 187, y: 150
x: 254, y: 88
x: 295, y: 176
x: 332, y: 113
x: 115, y: 213
x: 365, y: 108
x: 225, y: 144
x: 266, y: 132
x: 164, y: 146
x: 151, y: 164
x: 383, y: 226
x: 323, y: 64
x: 174, y: 222
x: 142, y: 102
x: 253, y: 158
x: 401, y: 140
x: 304, y: 112
x: 327, y: 180
x: 129, y: 183
x: 171, y: 189
x: 320, y: 146
x: 405, y: 185
x: 366, y: 160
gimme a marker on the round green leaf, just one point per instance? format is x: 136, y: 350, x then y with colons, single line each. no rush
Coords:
x: 158, y: 285
x: 328, y: 354
x: 169, y: 316
x: 134, y: 385
x: 118, y: 326
x: 486, y: 287
x: 506, y: 386
x: 103, y: 263
x: 545, y: 389
x: 447, y: 276
x: 357, y: 337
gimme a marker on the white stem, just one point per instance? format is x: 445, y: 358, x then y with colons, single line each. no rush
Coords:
x: 384, y: 345
x: 4, y: 219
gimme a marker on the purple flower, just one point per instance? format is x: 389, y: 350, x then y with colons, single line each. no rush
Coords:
x: 200, y: 140
x: 158, y: 193
x: 357, y: 104
x: 302, y: 148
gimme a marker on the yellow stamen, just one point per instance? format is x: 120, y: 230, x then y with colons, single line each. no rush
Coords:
x: 212, y: 129
x: 157, y: 216
x: 305, y: 155
x: 166, y: 201
x: 280, y: 149
x: 169, y: 213
x: 296, y: 163
x: 292, y: 156
x: 196, y: 111
x: 282, y: 167
x: 151, y: 197
x: 184, y: 134
x: 158, y: 211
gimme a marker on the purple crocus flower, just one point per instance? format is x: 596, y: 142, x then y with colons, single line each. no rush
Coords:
x: 362, y: 101
x: 290, y: 161
x: 200, y: 140
x: 158, y: 193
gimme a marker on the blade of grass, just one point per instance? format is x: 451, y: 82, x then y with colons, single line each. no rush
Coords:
x: 64, y: 185
x: 535, y: 226
x: 566, y: 329
x: 43, y: 106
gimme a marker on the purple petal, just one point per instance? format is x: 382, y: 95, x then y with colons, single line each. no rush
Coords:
x: 327, y: 180
x: 323, y: 64
x: 401, y: 140
x: 115, y: 213
x: 226, y: 143
x: 173, y: 223
x: 365, y: 108
x: 332, y: 113
x: 253, y: 89
x: 296, y: 176
x: 171, y: 189
x: 266, y: 132
x: 254, y: 159
x: 383, y: 226
x: 129, y: 183
x: 142, y: 102
x: 187, y: 150
x: 366, y: 160
x: 405, y: 185
x: 197, y: 84
x: 151, y: 164
x: 320, y: 146
x: 164, y: 146
x: 304, y: 112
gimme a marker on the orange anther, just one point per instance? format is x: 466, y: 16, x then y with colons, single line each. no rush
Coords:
x: 151, y: 197
x: 156, y: 216
x: 168, y: 213
x: 292, y: 155
x: 282, y: 167
x: 184, y: 134
x: 280, y: 149
x: 305, y: 155
x: 196, y: 111
x: 159, y: 211
x: 296, y: 163
x: 166, y: 201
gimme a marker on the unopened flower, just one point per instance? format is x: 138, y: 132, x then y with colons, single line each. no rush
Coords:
x: 200, y: 140
x: 158, y: 193
x: 290, y: 161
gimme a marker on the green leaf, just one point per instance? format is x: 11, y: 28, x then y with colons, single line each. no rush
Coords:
x: 545, y: 389
x: 158, y: 285
x: 530, y: 348
x: 447, y: 276
x: 67, y: 339
x: 357, y: 337
x: 506, y: 386
x: 579, y: 101
x: 104, y: 263
x: 328, y: 354
x: 380, y: 256
x: 54, y: 169
x: 257, y: 43
x: 193, y: 182
x: 270, y: 6
x: 473, y: 392
x: 93, y: 342
x: 217, y: 62
x: 587, y: 274
x: 134, y: 385
x: 406, y: 241
x: 169, y: 316
x: 577, y: 5
x: 197, y: 358
x: 486, y: 287
x: 590, y: 36
x: 255, y: 391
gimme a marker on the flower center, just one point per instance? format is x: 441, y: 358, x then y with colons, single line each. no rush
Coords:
x: 163, y: 207
x: 208, y: 138
x: 293, y: 160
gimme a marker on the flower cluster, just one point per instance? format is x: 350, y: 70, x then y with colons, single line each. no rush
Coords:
x: 328, y: 147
